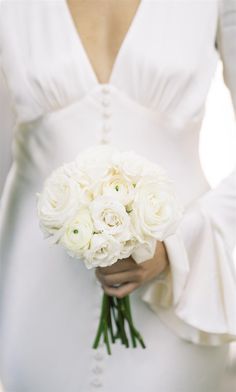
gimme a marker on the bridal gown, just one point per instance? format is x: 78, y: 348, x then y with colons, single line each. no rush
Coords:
x: 153, y: 104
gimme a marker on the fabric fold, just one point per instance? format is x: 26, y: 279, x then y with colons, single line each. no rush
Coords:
x: 200, y: 285
x: 197, y: 299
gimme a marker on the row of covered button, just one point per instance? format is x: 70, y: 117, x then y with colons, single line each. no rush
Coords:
x: 106, y: 114
x: 97, y: 368
x: 99, y: 355
x: 104, y: 138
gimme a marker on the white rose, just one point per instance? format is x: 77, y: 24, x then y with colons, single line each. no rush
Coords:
x: 127, y: 247
x: 59, y: 200
x: 155, y: 210
x: 78, y: 233
x: 110, y: 216
x: 95, y: 161
x: 104, y: 250
x: 73, y: 171
x: 129, y: 164
x: 151, y: 170
x: 144, y: 251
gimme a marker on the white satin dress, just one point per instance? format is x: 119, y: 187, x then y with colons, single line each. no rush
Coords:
x: 153, y: 104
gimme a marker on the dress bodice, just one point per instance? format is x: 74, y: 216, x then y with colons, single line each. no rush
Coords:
x: 166, y: 67
x: 153, y: 103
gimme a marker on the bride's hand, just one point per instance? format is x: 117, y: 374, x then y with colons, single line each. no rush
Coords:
x: 130, y: 275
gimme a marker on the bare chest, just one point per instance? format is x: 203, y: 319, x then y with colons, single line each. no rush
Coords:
x: 102, y: 26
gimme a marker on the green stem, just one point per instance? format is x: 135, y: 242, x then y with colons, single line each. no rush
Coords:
x: 100, y: 326
x: 121, y: 319
x: 115, y: 317
x: 106, y: 323
x: 117, y: 310
x: 130, y: 321
x: 110, y: 326
x: 134, y: 330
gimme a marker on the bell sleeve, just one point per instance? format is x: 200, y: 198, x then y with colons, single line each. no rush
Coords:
x: 196, y: 295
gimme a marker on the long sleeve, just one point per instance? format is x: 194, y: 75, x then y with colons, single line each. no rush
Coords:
x: 197, y: 294
x: 7, y: 120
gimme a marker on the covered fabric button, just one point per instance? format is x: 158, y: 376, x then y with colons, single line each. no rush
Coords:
x: 97, y: 369
x: 96, y: 382
x: 106, y: 114
x: 104, y: 140
x: 106, y: 127
x: 105, y: 89
x: 105, y: 102
x: 98, y: 356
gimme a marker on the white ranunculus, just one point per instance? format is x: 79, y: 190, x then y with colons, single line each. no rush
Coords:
x: 59, y: 201
x: 155, y: 210
x: 109, y: 216
x: 104, y: 250
x: 116, y: 186
x: 77, y: 233
x: 107, y: 205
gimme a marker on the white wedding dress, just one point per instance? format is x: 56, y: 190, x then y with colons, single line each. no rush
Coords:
x: 154, y: 105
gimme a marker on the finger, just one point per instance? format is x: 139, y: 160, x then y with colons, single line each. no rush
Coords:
x: 119, y: 266
x: 121, y: 291
x: 119, y: 278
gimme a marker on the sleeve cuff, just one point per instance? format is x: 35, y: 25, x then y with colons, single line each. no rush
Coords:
x: 197, y: 296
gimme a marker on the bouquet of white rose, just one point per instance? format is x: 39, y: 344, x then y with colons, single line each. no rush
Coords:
x: 104, y: 206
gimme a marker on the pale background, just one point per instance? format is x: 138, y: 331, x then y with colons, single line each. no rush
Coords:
x: 217, y: 152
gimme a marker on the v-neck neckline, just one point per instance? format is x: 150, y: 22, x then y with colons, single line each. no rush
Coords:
x: 118, y: 57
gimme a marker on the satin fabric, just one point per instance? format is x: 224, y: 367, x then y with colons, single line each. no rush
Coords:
x: 153, y: 104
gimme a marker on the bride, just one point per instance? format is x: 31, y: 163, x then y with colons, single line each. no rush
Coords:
x: 134, y: 74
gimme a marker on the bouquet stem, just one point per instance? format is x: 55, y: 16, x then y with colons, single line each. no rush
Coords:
x: 116, y: 313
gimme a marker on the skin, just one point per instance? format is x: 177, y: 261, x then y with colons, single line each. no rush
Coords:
x: 102, y: 26
x: 130, y: 274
